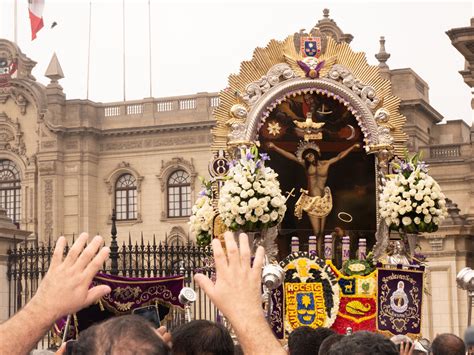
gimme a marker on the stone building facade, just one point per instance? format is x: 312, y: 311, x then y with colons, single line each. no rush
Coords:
x: 65, y: 164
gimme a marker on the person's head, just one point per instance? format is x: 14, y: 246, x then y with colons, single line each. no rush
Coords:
x: 364, y: 343
x: 448, y: 344
x: 328, y: 342
x: 202, y: 337
x: 309, y: 99
x: 310, y: 156
x: 126, y: 335
x: 306, y: 340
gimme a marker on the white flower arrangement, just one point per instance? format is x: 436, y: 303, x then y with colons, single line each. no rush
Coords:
x: 201, y: 220
x: 250, y: 198
x: 411, y: 200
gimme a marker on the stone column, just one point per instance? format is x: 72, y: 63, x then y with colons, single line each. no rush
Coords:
x: 9, y: 234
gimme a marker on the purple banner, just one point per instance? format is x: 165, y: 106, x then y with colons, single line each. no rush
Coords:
x: 399, y: 301
x: 277, y: 314
x: 127, y: 294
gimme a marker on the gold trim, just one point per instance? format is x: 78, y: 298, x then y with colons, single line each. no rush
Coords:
x: 285, y: 52
x: 139, y: 282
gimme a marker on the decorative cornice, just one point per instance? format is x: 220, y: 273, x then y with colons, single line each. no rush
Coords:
x: 424, y: 106
x: 129, y: 131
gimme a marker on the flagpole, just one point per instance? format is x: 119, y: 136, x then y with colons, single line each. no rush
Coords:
x: 89, y: 49
x: 123, y: 45
x: 15, y: 27
x: 149, y: 44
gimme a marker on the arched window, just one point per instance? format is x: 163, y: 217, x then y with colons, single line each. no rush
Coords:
x: 179, y: 194
x: 126, y: 197
x: 10, y: 189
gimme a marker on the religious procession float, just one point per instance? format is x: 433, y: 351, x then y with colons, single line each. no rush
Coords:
x: 309, y: 159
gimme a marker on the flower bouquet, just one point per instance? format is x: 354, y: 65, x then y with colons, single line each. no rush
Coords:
x: 411, y: 200
x: 200, y: 222
x: 250, y: 198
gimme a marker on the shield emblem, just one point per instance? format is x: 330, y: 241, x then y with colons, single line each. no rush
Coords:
x: 310, y: 46
x: 305, y: 304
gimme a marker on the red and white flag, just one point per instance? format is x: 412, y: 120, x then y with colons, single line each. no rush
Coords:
x: 35, y: 8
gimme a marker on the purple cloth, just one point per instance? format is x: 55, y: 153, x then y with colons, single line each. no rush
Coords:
x: 399, y: 301
x: 277, y: 316
x: 129, y: 293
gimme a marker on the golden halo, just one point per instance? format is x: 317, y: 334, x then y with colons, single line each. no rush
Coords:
x: 347, y: 217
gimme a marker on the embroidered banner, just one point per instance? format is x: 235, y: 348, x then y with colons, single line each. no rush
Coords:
x: 277, y: 317
x: 357, y: 306
x: 399, y: 301
x: 311, y: 292
x: 127, y: 294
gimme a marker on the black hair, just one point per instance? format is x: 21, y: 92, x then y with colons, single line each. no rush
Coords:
x: 328, y: 342
x: 202, y: 337
x: 364, y: 343
x: 448, y: 344
x: 128, y: 335
x: 306, y: 340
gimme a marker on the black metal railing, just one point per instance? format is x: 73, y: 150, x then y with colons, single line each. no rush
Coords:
x: 28, y: 263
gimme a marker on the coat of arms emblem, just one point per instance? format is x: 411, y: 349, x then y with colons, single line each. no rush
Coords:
x: 310, y: 46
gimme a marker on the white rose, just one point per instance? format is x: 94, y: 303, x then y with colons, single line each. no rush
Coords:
x: 406, y: 221
x: 234, y: 210
x: 253, y: 203
x: 247, y: 185
x: 265, y: 218
x: 427, y: 219
x: 276, y: 202
x: 258, y: 211
x: 417, y: 220
x: 274, y: 215
x: 250, y: 193
x: 418, y: 196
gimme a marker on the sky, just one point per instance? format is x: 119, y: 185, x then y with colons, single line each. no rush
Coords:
x: 195, y: 45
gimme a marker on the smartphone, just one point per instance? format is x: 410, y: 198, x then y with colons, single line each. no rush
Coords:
x: 150, y: 313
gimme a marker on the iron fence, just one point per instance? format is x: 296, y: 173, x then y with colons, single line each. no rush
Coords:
x: 28, y: 263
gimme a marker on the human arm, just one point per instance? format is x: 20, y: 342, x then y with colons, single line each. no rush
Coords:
x: 343, y: 154
x: 64, y: 290
x: 237, y: 294
x: 272, y: 146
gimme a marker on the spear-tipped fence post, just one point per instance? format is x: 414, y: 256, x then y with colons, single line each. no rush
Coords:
x: 113, y: 247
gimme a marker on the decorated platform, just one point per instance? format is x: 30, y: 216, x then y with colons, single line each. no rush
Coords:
x: 309, y: 150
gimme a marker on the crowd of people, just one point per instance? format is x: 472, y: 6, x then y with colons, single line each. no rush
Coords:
x: 236, y: 292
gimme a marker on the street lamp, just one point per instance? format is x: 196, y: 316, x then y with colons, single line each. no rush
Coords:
x: 465, y: 281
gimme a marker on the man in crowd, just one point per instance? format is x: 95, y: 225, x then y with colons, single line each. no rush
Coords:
x: 307, y: 340
x: 448, y: 344
x: 202, y: 337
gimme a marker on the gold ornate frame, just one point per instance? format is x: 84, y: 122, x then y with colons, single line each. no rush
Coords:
x: 273, y: 75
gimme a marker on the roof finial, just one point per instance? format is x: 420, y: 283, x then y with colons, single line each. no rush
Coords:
x: 382, y: 56
x: 54, y: 71
x: 326, y: 13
